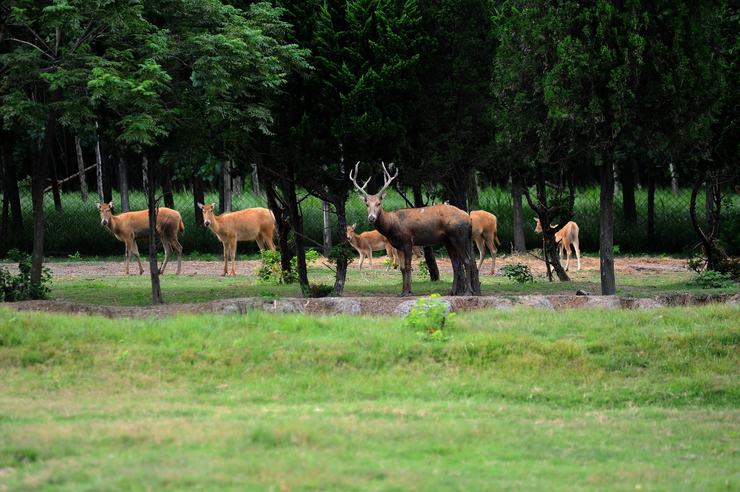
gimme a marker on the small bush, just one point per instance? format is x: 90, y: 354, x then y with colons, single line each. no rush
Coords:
x: 423, y: 270
x: 430, y: 318
x: 319, y: 290
x: 271, y: 272
x: 19, y: 287
x: 518, y: 272
x: 709, y: 279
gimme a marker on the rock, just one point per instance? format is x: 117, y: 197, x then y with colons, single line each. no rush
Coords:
x: 658, y: 268
x: 581, y: 292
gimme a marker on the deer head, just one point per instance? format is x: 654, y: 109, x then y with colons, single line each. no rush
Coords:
x: 351, y: 231
x: 207, y: 213
x: 374, y: 202
x: 106, y: 210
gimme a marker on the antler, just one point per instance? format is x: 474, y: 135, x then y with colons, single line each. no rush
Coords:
x: 388, y: 178
x: 361, y: 189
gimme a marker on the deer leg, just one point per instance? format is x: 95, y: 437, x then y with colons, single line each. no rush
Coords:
x: 567, y: 255
x: 178, y: 247
x: 226, y: 258
x: 167, y: 253
x: 134, y: 248
x: 389, y: 253
x: 370, y: 257
x: 126, y: 259
x: 233, y: 257
x: 578, y: 254
x: 492, y: 248
x: 406, y: 269
x: 481, y: 245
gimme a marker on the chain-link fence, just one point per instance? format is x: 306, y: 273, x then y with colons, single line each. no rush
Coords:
x: 77, y: 229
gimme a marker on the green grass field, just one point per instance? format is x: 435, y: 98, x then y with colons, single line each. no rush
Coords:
x: 518, y: 400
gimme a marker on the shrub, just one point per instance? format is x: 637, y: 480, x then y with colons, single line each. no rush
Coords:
x: 518, y: 272
x: 271, y: 272
x: 19, y: 287
x: 709, y: 279
x: 318, y: 290
x: 430, y: 318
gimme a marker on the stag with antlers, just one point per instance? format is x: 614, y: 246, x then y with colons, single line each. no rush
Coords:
x: 426, y: 226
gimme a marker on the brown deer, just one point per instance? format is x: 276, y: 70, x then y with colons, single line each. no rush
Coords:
x: 251, y: 224
x: 129, y: 226
x: 367, y: 242
x: 485, y: 233
x: 565, y: 237
x: 426, y: 226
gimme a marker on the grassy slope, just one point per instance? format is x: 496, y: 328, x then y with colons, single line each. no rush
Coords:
x: 517, y: 399
x: 135, y: 290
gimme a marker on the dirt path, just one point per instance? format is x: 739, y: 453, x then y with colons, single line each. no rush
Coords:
x: 632, y: 265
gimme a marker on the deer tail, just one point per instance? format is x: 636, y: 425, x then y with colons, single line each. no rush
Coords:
x: 496, y: 239
x: 181, y: 227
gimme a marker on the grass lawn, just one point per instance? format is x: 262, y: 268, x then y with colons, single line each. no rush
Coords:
x: 116, y: 289
x: 515, y: 399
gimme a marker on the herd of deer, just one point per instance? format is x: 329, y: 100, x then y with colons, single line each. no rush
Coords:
x: 401, y: 233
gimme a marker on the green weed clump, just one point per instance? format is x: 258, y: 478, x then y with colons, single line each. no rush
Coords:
x: 710, y: 279
x: 430, y: 318
x: 518, y: 272
x: 19, y: 287
x: 271, y: 271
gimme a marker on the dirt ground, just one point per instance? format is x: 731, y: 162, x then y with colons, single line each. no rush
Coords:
x: 630, y: 265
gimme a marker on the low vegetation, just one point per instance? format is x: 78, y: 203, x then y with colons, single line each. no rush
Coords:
x: 515, y: 399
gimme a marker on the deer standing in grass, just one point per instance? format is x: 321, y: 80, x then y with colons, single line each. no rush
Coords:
x: 485, y: 233
x: 426, y: 226
x: 251, y: 224
x: 565, y: 238
x: 128, y: 226
x: 367, y: 242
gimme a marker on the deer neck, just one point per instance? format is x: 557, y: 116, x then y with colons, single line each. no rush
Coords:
x: 384, y: 222
x: 216, y: 223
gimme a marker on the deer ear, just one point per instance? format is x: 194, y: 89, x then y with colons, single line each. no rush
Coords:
x: 200, y: 205
x: 354, y: 225
x: 382, y: 196
x: 111, y: 205
x: 213, y: 205
x: 98, y: 205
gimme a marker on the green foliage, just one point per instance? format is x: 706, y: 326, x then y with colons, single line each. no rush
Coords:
x: 430, y: 319
x: 710, y: 279
x: 19, y: 287
x: 271, y: 272
x: 318, y: 290
x: 423, y: 269
x: 518, y: 272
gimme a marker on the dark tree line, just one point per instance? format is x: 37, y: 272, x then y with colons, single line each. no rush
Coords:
x: 543, y: 97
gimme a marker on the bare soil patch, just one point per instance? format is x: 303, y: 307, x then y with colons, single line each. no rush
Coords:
x: 628, y: 264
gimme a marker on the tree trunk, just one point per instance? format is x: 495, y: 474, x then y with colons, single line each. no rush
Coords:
x: 552, y: 261
x: 152, y: 206
x: 651, y: 210
x: 327, y: 229
x: 236, y: 185
x: 429, y: 258
x: 99, y: 168
x: 5, y: 221
x: 123, y: 184
x: 629, y: 207
x: 81, y: 170
x: 225, y: 188
x: 144, y: 173
x: 674, y: 177
x: 38, y: 177
x: 55, y: 182
x: 606, y: 227
x: 473, y: 194
x: 198, y: 197
x: 13, y: 196
x: 709, y: 204
x: 459, y: 188
x: 517, y: 214
x: 169, y: 197
x: 255, y: 180
x: 289, y: 195
x: 283, y: 229
x: 342, y: 261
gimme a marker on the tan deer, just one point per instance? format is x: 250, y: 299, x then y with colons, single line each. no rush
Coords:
x: 251, y: 224
x: 426, y: 226
x: 129, y: 226
x: 367, y: 242
x: 565, y: 237
x: 485, y: 233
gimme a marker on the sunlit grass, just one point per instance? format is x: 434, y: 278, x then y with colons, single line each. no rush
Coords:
x: 518, y: 399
